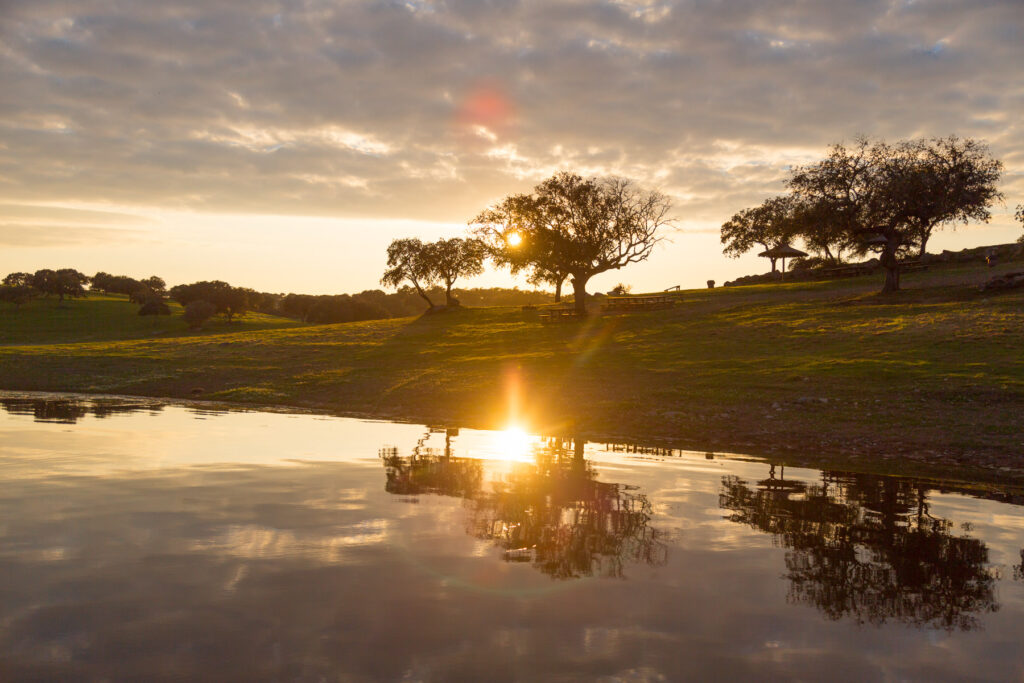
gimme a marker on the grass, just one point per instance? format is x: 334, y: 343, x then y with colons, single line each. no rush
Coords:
x: 812, y: 373
x: 103, y: 317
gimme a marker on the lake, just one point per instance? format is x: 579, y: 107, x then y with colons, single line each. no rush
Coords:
x: 142, y: 540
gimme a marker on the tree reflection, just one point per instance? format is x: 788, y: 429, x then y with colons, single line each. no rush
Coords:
x: 866, y: 547
x: 552, y: 512
x: 70, y: 411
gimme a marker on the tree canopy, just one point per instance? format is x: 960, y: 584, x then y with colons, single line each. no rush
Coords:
x: 425, y: 264
x: 571, y: 226
x: 450, y: 259
x: 227, y: 300
x: 770, y: 224
x: 407, y: 261
x: 901, y: 191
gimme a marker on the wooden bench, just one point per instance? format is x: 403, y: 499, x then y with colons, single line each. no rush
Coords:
x: 548, y: 315
x: 847, y: 271
x: 638, y: 303
x: 911, y: 266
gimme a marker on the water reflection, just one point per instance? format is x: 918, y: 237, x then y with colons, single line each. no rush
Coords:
x: 867, y: 547
x: 552, y: 512
x: 64, y: 411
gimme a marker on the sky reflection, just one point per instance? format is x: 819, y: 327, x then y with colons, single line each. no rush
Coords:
x: 151, y: 545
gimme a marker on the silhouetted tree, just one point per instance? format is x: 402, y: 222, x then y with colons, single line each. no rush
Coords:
x: 902, y: 191
x: 17, y: 294
x: 574, y: 226
x: 18, y: 280
x: 408, y: 260
x: 154, y: 306
x: 227, y: 300
x: 155, y: 283
x: 769, y: 225
x: 198, y: 312
x: 450, y: 259
x: 66, y: 282
x: 1020, y: 217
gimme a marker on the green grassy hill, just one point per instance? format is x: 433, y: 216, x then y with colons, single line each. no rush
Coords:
x: 816, y: 371
x: 107, y: 317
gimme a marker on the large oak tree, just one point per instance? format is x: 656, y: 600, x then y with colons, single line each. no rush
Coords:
x: 574, y: 226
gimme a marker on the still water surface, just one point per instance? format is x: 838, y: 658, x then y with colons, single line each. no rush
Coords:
x: 144, y: 541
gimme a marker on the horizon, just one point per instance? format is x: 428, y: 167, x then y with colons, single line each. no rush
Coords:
x: 282, y: 148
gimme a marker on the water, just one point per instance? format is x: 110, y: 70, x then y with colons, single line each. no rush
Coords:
x: 143, y: 541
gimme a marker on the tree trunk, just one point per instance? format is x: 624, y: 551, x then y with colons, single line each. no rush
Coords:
x: 891, y: 264
x: 773, y: 260
x: 419, y: 290
x: 449, y: 300
x: 579, y: 290
x: 924, y: 243
x: 558, y: 291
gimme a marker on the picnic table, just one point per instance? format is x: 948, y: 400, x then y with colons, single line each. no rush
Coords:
x: 554, y: 314
x: 639, y: 303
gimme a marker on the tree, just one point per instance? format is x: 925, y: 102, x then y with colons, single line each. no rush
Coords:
x: 66, y: 282
x: 17, y: 294
x: 450, y: 259
x: 769, y: 225
x: 574, y: 226
x: 1020, y: 217
x: 198, y: 312
x: 950, y: 180
x: 901, y: 191
x: 155, y: 283
x: 227, y: 300
x: 154, y: 306
x: 408, y: 260
x: 18, y: 279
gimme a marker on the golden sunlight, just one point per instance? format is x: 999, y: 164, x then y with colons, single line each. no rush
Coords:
x: 513, y: 443
x: 514, y: 239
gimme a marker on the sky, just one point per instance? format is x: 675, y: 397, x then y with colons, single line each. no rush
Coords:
x: 281, y: 145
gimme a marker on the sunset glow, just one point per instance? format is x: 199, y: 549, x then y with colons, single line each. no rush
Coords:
x: 334, y: 128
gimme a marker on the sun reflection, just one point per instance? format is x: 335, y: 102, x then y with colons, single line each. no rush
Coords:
x: 513, y: 443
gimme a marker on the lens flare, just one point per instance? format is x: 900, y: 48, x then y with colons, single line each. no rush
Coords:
x: 514, y: 239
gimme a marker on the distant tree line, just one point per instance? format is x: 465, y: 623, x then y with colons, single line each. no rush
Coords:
x: 203, y: 300
x: 873, y: 196
x: 20, y: 288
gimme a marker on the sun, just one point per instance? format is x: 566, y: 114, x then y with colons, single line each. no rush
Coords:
x: 514, y: 239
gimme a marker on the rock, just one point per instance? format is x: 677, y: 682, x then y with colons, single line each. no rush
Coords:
x: 1004, y: 282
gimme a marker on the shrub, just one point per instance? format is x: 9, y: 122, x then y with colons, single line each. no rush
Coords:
x: 198, y: 312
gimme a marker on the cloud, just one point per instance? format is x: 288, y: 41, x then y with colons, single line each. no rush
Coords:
x: 35, y: 235
x: 431, y: 110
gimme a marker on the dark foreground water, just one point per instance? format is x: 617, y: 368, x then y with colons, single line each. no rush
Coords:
x: 149, y: 542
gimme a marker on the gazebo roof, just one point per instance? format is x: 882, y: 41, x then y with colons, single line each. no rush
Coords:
x: 782, y: 251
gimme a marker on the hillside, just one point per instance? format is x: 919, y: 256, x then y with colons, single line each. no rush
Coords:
x: 109, y: 317
x: 815, y: 372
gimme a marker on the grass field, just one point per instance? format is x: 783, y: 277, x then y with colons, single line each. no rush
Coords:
x: 825, y: 372
x: 108, y: 317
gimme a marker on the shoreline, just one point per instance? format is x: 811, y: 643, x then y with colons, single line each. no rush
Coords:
x: 902, y: 465
x: 929, y: 381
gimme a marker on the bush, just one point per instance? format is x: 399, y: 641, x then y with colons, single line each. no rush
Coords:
x: 155, y: 307
x: 198, y: 312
